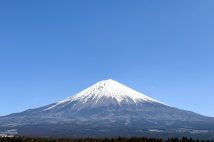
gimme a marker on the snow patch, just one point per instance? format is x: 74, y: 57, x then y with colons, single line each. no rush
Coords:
x: 107, y: 89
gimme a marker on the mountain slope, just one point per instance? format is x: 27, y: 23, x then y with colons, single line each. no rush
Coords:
x: 108, y: 108
x: 104, y: 93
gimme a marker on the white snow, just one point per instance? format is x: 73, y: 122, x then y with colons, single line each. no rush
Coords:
x: 107, y: 89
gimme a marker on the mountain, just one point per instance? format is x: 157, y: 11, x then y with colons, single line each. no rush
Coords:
x: 108, y: 109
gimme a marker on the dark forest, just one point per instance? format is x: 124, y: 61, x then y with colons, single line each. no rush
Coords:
x: 119, y: 139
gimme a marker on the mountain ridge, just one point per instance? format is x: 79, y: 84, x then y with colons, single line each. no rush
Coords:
x: 109, y: 89
x: 108, y: 108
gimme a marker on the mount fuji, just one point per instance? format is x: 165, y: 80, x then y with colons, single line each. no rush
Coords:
x: 108, y: 109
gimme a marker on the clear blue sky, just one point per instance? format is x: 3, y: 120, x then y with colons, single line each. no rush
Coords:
x: 52, y: 49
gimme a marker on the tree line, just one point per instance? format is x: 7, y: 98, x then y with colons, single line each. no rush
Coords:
x: 119, y: 139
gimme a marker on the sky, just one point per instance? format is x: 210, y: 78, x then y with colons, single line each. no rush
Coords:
x: 50, y: 50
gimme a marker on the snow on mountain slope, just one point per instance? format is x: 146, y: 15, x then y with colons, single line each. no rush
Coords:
x: 108, y: 108
x: 106, y: 92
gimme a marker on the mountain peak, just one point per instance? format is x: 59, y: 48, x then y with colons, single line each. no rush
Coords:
x: 108, y: 108
x: 106, y: 93
x: 106, y: 82
x: 113, y: 89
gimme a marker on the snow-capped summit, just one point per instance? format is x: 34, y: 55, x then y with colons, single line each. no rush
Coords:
x: 104, y: 93
x: 108, y: 109
x: 112, y: 89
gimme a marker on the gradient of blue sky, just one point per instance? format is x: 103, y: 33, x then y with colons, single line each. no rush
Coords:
x: 52, y: 49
